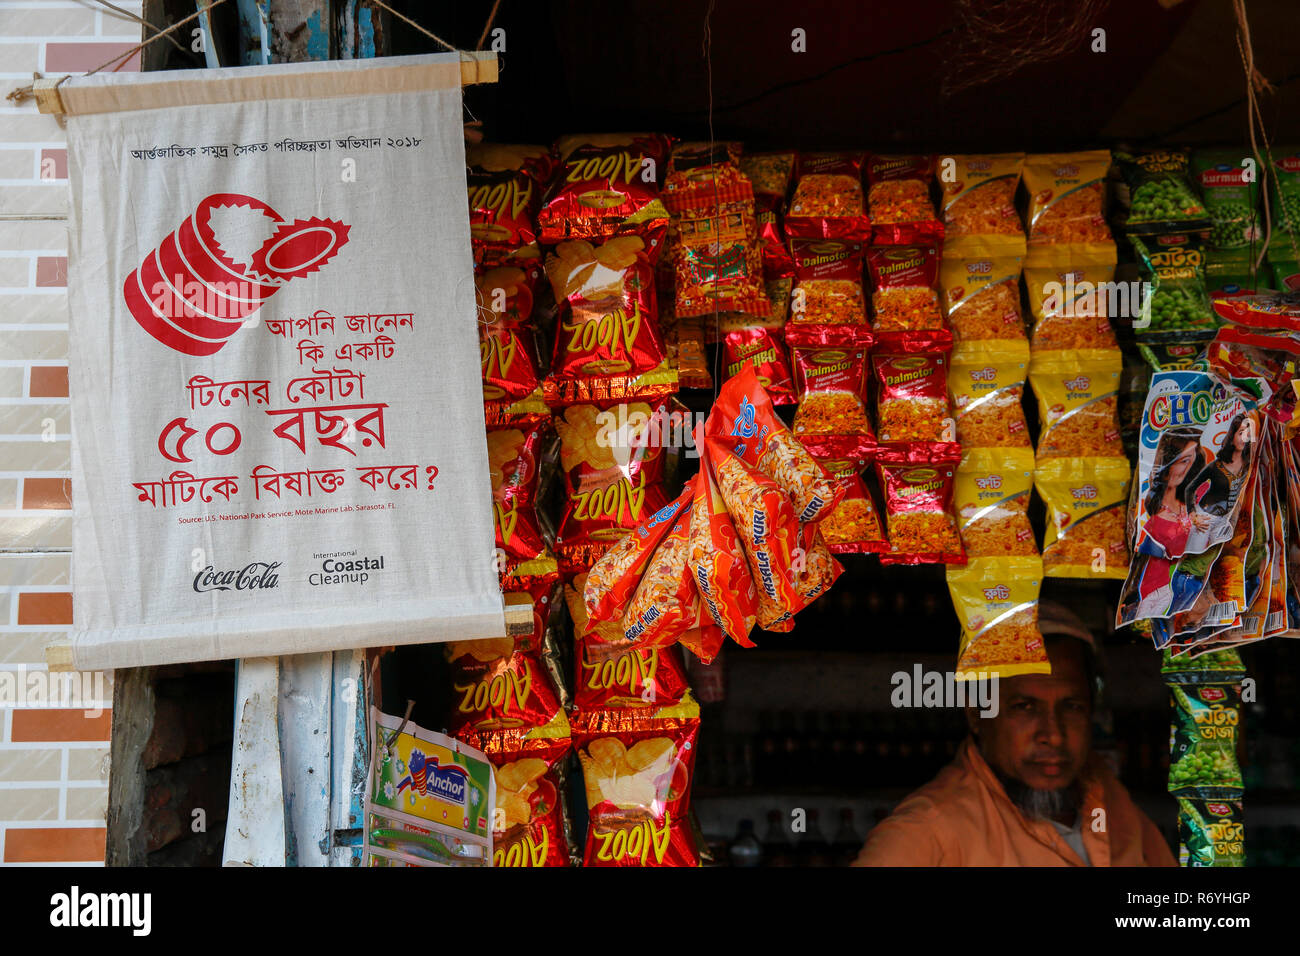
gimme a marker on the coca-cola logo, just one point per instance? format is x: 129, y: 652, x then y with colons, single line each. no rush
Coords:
x: 259, y: 574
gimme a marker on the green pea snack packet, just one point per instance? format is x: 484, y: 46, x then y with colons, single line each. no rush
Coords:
x: 1232, y: 272
x: 1224, y: 664
x: 1210, y: 833
x: 1203, y: 745
x: 1284, y: 262
x: 1173, y: 355
x: 1161, y: 197
x: 1284, y: 190
x: 1177, y: 305
x: 1229, y: 198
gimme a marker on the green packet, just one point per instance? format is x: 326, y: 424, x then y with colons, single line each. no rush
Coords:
x: 1210, y: 833
x: 1161, y: 197
x: 1232, y: 272
x: 1203, y: 739
x: 1166, y: 356
x: 1174, y: 265
x: 1284, y: 263
x: 1226, y: 661
x: 1229, y: 199
x: 1284, y: 190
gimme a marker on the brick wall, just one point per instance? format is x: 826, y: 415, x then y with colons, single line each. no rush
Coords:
x: 53, y: 761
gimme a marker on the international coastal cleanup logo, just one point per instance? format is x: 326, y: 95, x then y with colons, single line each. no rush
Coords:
x: 206, y: 278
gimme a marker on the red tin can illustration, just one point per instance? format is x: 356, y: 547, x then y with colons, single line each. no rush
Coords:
x: 204, y: 280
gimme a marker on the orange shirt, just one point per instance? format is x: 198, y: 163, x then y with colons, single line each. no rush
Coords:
x: 964, y: 818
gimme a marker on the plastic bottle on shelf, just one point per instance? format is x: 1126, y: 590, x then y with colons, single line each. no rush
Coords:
x: 847, y: 843
x: 745, y: 850
x: 813, y: 848
x: 778, y: 849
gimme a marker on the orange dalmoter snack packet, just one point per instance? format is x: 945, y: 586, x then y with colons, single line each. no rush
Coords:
x: 831, y: 370
x: 528, y: 827
x: 744, y: 415
x: 610, y: 677
x: 608, y: 345
x: 608, y: 184
x: 904, y: 284
x: 912, y: 398
x: 853, y: 526
x: 828, y: 202
x: 611, y: 484
x: 898, y: 198
x: 637, y: 768
x: 920, y: 518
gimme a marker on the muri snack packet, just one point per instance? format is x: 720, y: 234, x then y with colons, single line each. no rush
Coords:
x: 987, y: 382
x: 991, y: 494
x: 607, y: 185
x: 1086, y: 500
x: 996, y: 600
x: 665, y: 602
x: 853, y: 526
x: 717, y: 558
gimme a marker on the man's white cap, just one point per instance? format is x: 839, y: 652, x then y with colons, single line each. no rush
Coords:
x: 1056, y: 618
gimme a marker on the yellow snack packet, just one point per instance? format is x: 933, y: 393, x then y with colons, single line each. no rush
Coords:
x: 981, y: 293
x: 1067, y: 202
x: 996, y: 600
x: 986, y: 384
x: 979, y: 199
x: 991, y: 494
x: 1086, y: 502
x: 1078, y: 407
x: 1071, y: 301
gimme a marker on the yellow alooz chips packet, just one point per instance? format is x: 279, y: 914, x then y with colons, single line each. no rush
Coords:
x: 996, y: 600
x: 1086, y: 500
x: 1078, y: 406
x: 991, y: 494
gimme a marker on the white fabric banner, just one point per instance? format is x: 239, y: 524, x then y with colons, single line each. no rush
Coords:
x: 277, y: 419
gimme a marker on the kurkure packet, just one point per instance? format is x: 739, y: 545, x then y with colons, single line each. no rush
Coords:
x: 1161, y: 196
x: 1077, y: 403
x: 904, y: 288
x: 981, y: 295
x: 991, y: 494
x: 637, y: 768
x: 898, y: 200
x: 1071, y: 302
x: 1067, y: 203
x: 979, y: 199
x: 1086, y: 500
x: 996, y: 600
x: 607, y: 185
x: 987, y: 381
x: 920, y: 521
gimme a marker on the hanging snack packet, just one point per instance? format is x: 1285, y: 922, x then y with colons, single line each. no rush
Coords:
x: 981, y: 295
x: 763, y: 350
x: 1210, y: 833
x: 1086, y: 500
x: 830, y: 367
x: 986, y: 382
x: 1161, y: 197
x: 1172, y: 356
x: 898, y: 200
x: 1067, y: 198
x: 1071, y: 304
x: 920, y: 520
x: 904, y: 282
x: 912, y: 387
x: 718, y: 264
x: 507, y: 342
x: 1203, y: 753
x: 996, y: 600
x: 769, y: 174
x: 853, y: 526
x: 495, y: 686
x: 601, y: 632
x: 505, y: 189
x: 627, y: 678
x: 1174, y: 265
x: 607, y: 342
x: 979, y: 199
x: 717, y: 559
x: 827, y: 201
x: 539, y: 580
x: 1230, y: 196
x: 744, y: 417
x: 1284, y: 189
x: 637, y: 768
x: 828, y: 283
x: 613, y: 480
x: 528, y: 823
x: 991, y: 494
x: 514, y: 465
x: 1077, y: 403
x: 665, y: 603
x: 607, y: 185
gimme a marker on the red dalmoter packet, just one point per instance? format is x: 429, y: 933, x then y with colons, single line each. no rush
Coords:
x: 828, y: 202
x: 898, y: 200
x: 612, y: 481
x: 920, y: 518
x: 831, y: 370
x: 827, y: 282
x: 637, y: 768
x: 853, y: 526
x: 607, y: 185
x: 505, y: 184
x: 528, y: 823
x: 905, y: 288
x: 608, y: 345
x: 911, y: 370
